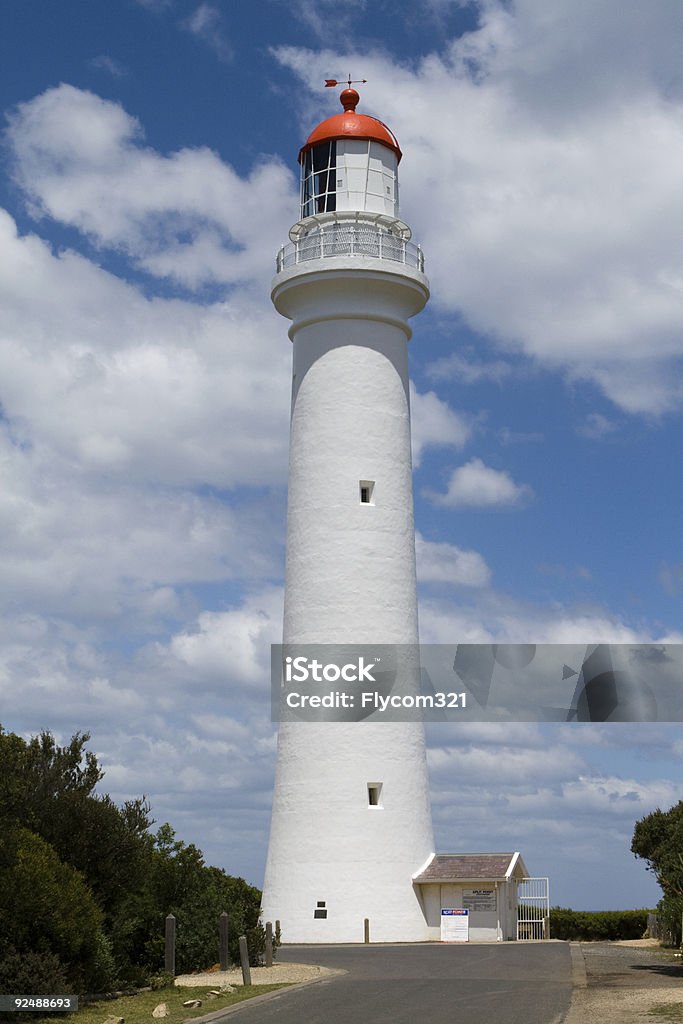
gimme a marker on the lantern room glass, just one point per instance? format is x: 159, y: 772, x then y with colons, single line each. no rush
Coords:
x: 318, y: 181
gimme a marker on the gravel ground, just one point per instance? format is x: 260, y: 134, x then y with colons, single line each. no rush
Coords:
x: 280, y: 973
x: 620, y: 983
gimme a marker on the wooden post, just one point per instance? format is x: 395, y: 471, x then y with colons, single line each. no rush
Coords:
x: 366, y: 929
x: 223, y: 931
x: 269, y: 944
x: 277, y: 931
x: 244, y: 958
x: 169, y: 960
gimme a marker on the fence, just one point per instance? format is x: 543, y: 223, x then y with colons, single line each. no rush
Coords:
x: 350, y: 240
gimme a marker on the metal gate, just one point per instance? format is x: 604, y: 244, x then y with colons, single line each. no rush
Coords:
x: 533, y: 909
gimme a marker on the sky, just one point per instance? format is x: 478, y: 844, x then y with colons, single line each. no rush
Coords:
x: 148, y: 178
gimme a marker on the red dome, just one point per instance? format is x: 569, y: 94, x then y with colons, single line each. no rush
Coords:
x: 351, y: 125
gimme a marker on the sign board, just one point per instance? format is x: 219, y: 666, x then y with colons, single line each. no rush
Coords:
x: 479, y: 899
x: 454, y: 925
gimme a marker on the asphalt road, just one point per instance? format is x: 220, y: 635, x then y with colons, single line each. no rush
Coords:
x: 509, y: 983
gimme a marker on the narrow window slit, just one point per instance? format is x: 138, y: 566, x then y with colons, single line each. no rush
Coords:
x: 367, y: 488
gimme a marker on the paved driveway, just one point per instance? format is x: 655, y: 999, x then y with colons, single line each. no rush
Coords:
x: 507, y: 983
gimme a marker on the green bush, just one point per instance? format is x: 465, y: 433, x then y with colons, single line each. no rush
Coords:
x: 597, y: 925
x: 33, y: 973
x: 85, y: 884
x: 46, y: 908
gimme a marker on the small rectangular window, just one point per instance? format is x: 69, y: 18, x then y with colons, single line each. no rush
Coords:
x: 321, y: 903
x: 374, y: 794
x: 367, y: 488
x: 320, y: 912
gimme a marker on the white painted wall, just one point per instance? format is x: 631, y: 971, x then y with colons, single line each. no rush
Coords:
x: 484, y: 926
x: 366, y: 177
x: 350, y: 578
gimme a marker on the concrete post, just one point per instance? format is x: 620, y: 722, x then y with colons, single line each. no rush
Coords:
x: 366, y: 930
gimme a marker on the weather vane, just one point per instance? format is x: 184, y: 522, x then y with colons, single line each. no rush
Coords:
x: 330, y: 82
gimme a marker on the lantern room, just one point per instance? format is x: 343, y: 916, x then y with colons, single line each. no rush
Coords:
x: 350, y: 162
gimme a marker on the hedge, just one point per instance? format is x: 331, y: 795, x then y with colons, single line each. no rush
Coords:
x: 597, y: 925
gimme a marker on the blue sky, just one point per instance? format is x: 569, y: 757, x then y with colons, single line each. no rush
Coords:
x: 148, y: 178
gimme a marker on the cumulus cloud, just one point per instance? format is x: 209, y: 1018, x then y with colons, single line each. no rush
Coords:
x: 138, y: 388
x: 434, y: 423
x: 541, y: 176
x: 188, y: 216
x: 489, y: 616
x: 235, y: 645
x: 476, y: 485
x: 447, y: 563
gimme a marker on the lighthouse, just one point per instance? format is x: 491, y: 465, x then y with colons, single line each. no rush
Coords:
x: 351, y: 821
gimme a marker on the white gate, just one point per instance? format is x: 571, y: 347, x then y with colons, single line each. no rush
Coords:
x: 533, y: 909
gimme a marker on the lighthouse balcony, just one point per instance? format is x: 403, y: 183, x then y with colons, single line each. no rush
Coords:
x: 339, y: 238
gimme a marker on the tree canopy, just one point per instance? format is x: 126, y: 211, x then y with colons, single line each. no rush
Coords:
x: 85, y: 885
x: 658, y: 839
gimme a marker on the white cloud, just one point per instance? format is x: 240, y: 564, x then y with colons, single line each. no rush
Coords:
x: 206, y: 24
x: 595, y: 426
x: 541, y: 176
x: 482, y: 765
x: 142, y: 389
x: 476, y: 485
x: 187, y: 216
x: 326, y: 18
x: 468, y: 371
x: 434, y: 423
x: 610, y: 795
x: 446, y: 563
x: 113, y: 67
x: 488, y: 616
x: 235, y: 645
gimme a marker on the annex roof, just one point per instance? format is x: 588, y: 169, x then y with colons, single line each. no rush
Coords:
x: 461, y: 867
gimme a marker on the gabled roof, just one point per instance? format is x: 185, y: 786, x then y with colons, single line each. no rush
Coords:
x: 462, y: 867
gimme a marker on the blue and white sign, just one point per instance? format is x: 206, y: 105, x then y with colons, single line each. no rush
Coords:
x: 455, y: 924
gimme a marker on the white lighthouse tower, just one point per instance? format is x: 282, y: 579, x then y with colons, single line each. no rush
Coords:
x: 351, y: 822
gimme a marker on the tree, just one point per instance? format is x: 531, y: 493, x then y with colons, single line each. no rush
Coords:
x: 49, y: 790
x: 658, y: 839
x: 114, y: 881
x: 197, y: 895
x: 47, y: 908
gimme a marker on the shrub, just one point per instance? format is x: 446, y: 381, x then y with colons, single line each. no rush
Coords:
x: 597, y: 926
x: 28, y: 973
x: 46, y: 908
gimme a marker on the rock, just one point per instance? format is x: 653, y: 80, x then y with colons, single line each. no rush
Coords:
x: 192, y: 1004
x: 114, y: 1020
x: 213, y: 994
x: 227, y: 988
x: 161, y: 1010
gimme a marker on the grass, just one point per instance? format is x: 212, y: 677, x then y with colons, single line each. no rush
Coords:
x: 667, y: 1011
x: 137, y: 1009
